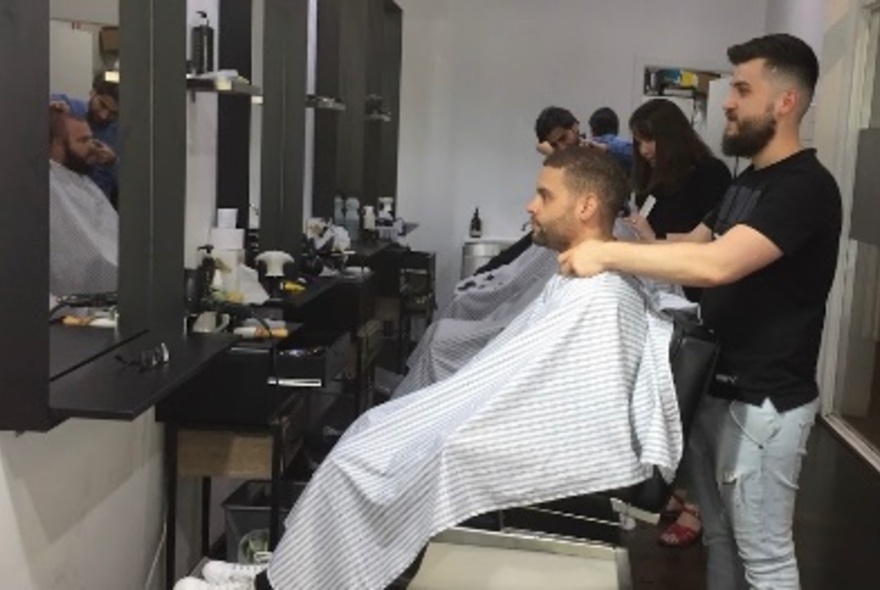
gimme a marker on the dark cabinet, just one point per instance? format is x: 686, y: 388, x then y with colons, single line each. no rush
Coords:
x: 358, y: 62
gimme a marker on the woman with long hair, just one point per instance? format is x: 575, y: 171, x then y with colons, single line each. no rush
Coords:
x: 672, y: 164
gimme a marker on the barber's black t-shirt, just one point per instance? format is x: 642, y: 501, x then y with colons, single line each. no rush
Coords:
x: 770, y: 323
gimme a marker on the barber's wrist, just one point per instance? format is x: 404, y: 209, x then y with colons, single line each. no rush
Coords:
x: 606, y: 256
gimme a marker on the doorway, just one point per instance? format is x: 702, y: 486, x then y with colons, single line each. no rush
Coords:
x: 854, y: 411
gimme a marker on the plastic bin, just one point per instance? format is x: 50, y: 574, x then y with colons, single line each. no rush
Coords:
x: 247, y: 516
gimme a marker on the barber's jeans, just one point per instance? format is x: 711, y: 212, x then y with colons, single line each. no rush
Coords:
x: 744, y: 466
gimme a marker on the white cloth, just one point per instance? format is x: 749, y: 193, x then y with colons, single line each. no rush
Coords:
x: 476, y: 316
x: 479, y: 296
x: 84, y: 235
x: 575, y: 396
x: 488, y: 305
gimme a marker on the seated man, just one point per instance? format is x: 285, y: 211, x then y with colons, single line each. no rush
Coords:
x: 83, y: 226
x: 575, y: 396
x: 101, y: 111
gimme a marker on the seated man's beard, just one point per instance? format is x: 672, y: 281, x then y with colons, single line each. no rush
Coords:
x: 552, y: 239
x: 76, y: 163
x: 753, y: 135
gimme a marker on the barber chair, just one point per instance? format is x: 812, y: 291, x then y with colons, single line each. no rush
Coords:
x: 574, y: 543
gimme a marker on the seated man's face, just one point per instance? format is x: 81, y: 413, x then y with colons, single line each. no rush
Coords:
x: 562, y: 138
x: 552, y: 211
x: 79, y: 147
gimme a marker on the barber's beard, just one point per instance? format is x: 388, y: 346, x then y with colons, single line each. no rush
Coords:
x: 752, y: 135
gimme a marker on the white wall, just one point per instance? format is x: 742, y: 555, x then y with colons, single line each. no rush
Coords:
x: 803, y: 18
x: 70, y: 60
x: 80, y: 507
x: 476, y: 75
x: 201, y: 137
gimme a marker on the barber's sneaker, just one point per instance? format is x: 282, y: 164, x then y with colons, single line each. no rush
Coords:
x: 218, y: 572
x: 197, y: 584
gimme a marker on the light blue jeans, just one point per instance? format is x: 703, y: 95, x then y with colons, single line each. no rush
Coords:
x: 744, y: 464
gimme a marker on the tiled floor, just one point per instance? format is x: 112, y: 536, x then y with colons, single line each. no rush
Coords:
x: 837, y: 529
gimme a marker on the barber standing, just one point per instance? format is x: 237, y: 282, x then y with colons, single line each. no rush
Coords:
x: 767, y: 257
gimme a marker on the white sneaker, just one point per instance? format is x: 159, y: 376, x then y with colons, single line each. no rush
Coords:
x: 218, y: 572
x: 197, y: 584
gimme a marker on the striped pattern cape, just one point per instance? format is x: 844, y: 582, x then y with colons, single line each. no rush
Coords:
x: 575, y: 396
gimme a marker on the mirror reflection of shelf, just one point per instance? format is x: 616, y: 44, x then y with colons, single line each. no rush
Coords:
x: 380, y: 116
x: 219, y: 85
x: 326, y: 103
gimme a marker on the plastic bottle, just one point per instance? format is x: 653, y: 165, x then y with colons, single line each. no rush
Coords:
x: 338, y: 211
x: 203, y: 45
x: 476, y: 224
x: 352, y: 217
x: 369, y: 218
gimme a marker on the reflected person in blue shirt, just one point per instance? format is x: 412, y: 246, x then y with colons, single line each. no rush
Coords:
x: 101, y: 111
x: 604, y: 129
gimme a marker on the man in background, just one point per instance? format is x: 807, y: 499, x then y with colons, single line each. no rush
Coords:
x: 604, y: 131
x: 101, y: 111
x: 557, y: 129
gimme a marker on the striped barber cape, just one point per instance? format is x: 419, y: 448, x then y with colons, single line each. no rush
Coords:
x: 479, y: 297
x: 575, y: 396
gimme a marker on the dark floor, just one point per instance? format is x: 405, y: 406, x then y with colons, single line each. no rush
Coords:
x: 837, y: 529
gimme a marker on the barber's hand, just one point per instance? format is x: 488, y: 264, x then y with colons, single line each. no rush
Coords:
x: 583, y: 260
x: 642, y: 227
x: 104, y: 154
x: 544, y: 148
x: 60, y: 106
x: 596, y: 144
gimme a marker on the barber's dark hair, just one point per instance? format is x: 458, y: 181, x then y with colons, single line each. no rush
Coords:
x: 604, y: 122
x: 678, y: 148
x: 785, y: 53
x: 100, y: 85
x: 551, y: 118
x: 587, y: 169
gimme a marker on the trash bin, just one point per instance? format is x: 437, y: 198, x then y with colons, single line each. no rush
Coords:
x: 475, y: 253
x: 247, y: 517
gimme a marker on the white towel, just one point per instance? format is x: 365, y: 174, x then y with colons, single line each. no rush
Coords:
x: 575, y: 396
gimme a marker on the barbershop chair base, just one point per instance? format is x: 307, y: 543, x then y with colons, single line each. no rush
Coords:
x: 470, y: 559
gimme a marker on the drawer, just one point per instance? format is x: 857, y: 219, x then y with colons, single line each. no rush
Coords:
x: 311, y: 358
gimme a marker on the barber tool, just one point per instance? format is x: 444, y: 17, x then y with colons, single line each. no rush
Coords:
x: 647, y: 206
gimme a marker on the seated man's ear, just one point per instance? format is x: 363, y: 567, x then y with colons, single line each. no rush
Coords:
x: 588, y: 206
x: 544, y: 148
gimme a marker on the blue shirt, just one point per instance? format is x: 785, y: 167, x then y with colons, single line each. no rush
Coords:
x: 621, y: 149
x: 106, y: 176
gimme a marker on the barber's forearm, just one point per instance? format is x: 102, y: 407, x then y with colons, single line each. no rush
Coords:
x: 683, y: 263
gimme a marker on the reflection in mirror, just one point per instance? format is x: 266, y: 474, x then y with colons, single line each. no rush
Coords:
x: 83, y: 173
x: 256, y: 138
